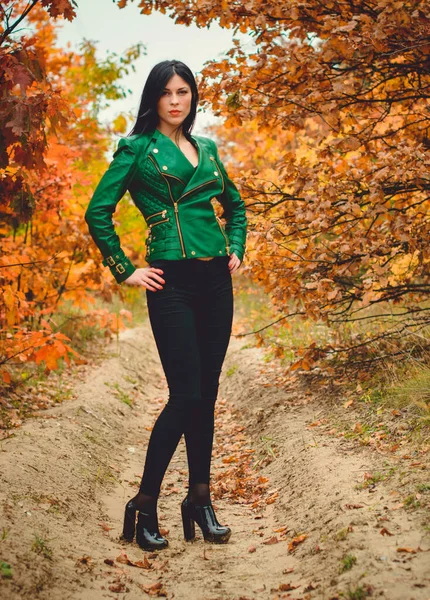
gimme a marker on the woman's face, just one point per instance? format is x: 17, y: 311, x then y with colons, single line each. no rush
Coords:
x: 174, y: 104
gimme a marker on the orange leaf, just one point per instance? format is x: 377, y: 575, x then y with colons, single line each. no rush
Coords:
x: 6, y: 376
x: 296, y: 541
x: 271, y: 540
x: 287, y: 587
x: 123, y: 559
x: 281, y: 529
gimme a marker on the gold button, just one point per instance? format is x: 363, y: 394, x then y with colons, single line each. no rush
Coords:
x: 155, y: 150
x: 216, y: 173
x: 164, y: 168
x: 192, y: 252
x: 220, y: 251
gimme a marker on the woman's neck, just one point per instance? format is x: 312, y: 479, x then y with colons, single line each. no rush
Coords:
x: 174, y: 133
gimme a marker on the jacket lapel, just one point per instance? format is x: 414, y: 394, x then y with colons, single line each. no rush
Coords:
x: 205, y: 173
x: 170, y: 160
x: 172, y: 163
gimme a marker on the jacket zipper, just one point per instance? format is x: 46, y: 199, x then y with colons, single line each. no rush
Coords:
x: 175, y: 204
x: 218, y: 220
x: 150, y: 225
x: 220, y: 172
x: 198, y: 187
x: 227, y: 242
x: 161, y: 212
x: 227, y: 247
x: 164, y: 174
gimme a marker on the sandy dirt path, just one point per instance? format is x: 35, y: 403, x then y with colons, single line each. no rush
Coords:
x: 308, y: 531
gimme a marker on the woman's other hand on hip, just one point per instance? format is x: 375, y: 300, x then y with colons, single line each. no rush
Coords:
x: 233, y: 263
x: 148, y: 277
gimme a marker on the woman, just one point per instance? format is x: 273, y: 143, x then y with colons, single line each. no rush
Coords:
x: 173, y: 178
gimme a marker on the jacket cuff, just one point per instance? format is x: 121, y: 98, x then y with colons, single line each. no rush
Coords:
x: 121, y: 267
x: 238, y: 249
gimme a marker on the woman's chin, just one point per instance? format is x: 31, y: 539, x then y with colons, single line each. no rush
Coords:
x: 173, y: 120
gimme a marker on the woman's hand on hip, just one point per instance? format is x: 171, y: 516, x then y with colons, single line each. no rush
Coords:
x: 148, y: 277
x: 233, y: 263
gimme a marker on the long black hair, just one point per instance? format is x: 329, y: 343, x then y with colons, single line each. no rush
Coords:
x: 161, y: 73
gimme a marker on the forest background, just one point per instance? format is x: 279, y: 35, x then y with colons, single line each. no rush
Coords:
x: 324, y: 127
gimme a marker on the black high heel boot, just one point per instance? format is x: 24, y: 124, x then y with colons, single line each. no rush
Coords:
x: 129, y: 521
x: 148, y: 535
x: 205, y: 518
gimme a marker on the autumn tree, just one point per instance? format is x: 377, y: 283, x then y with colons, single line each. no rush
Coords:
x: 326, y: 121
x: 53, y: 151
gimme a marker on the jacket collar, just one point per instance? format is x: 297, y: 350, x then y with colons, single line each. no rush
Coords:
x: 172, y: 162
x: 169, y: 158
x: 206, y: 171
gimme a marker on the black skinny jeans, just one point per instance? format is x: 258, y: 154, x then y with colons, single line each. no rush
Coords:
x: 191, y: 320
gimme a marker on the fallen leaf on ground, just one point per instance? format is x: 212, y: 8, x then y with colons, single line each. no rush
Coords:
x: 288, y: 570
x: 252, y: 549
x: 351, y: 506
x: 272, y: 498
x: 156, y: 589
x: 283, y: 529
x: 85, y: 563
x: 384, y: 531
x: 287, y: 587
x: 119, y: 588
x: 310, y: 587
x: 271, y: 540
x: 296, y: 541
x: 141, y: 564
x: 408, y: 550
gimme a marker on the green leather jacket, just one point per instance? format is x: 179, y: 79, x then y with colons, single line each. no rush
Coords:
x: 180, y: 216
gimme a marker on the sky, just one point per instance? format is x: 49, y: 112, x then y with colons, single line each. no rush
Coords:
x: 116, y: 29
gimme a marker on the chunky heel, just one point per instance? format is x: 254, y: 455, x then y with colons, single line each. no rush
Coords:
x: 188, y: 525
x: 129, y: 522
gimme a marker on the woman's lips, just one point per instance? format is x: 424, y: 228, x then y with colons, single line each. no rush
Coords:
x: 174, y: 112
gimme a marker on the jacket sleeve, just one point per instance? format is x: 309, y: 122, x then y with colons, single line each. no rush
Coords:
x: 98, y: 215
x: 234, y: 212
